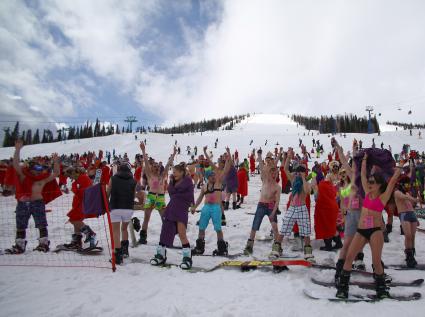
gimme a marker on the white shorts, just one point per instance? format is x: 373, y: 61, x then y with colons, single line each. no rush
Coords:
x: 121, y: 215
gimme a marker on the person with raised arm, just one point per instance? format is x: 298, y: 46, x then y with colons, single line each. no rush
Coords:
x: 155, y: 198
x: 220, y: 171
x: 377, y: 194
x: 181, y: 191
x: 32, y: 195
x: 351, y: 204
x: 211, y: 191
x: 269, y: 199
x: 405, y: 206
x: 297, y: 211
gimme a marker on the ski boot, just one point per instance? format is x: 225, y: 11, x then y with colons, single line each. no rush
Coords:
x: 90, y: 241
x: 223, y: 219
x: 338, y: 242
x: 226, y: 205
x: 160, y: 256
x: 124, y: 248
x: 381, y: 287
x: 143, y: 237
x: 328, y: 245
x: 118, y: 256
x: 43, y: 245
x: 308, y: 254
x: 200, y: 247
x: 136, y: 224
x: 358, y: 262
x: 222, y: 248
x: 76, y: 242
x: 344, y: 282
x: 410, y: 258
x: 338, y: 266
x: 249, y: 248
x: 276, y: 250
x: 18, y: 248
x: 386, y: 238
x: 187, y: 259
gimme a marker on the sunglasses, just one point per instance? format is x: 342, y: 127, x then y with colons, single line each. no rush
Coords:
x: 371, y: 181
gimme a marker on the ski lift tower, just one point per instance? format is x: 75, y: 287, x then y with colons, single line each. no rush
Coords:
x: 130, y: 121
x: 369, y: 109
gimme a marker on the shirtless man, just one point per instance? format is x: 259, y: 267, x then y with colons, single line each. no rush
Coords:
x: 404, y: 201
x: 269, y: 200
x: 211, y: 210
x: 155, y: 198
x: 220, y: 172
x: 297, y: 211
x: 29, y: 190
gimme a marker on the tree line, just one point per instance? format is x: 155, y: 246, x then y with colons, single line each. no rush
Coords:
x: 406, y: 126
x: 347, y: 123
x: 226, y: 123
x: 88, y: 130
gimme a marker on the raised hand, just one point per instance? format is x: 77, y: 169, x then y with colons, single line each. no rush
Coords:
x: 142, y: 147
x: 19, y: 144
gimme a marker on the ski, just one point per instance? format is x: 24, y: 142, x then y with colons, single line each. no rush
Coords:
x: 97, y: 176
x: 370, y: 285
x: 360, y: 298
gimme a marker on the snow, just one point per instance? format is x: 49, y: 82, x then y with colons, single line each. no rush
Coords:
x: 137, y: 289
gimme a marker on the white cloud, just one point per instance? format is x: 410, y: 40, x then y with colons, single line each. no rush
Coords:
x: 303, y: 56
x: 274, y: 56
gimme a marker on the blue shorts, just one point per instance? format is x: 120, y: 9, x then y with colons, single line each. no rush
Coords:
x: 213, y: 212
x: 408, y: 216
x: 262, y: 210
x: 36, y: 209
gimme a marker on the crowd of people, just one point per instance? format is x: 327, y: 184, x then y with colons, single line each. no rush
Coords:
x: 351, y: 190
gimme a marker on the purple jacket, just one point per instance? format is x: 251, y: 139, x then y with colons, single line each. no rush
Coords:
x: 181, y: 198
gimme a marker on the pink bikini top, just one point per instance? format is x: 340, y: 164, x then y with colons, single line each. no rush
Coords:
x: 373, y: 204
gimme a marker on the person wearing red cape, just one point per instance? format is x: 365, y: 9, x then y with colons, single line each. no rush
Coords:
x: 242, y: 183
x: 80, y: 183
x: 35, y: 187
x: 326, y: 214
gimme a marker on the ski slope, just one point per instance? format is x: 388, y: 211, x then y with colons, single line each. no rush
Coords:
x: 142, y: 290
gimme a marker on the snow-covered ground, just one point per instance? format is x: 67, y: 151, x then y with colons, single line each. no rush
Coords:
x: 141, y: 290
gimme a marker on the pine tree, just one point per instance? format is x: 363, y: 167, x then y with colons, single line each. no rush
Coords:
x: 36, y: 139
x: 7, y: 139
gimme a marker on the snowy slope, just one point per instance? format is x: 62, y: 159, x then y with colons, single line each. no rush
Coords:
x: 141, y: 290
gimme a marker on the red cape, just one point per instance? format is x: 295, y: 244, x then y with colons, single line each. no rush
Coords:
x: 242, y: 182
x: 50, y: 192
x: 326, y: 211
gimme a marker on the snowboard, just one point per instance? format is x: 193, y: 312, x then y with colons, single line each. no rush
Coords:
x: 404, y: 267
x: 228, y: 256
x: 358, y: 297
x: 167, y: 265
x: 370, y: 285
x: 264, y: 239
x: 83, y: 251
x: 255, y: 264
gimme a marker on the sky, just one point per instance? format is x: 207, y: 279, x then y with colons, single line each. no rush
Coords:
x: 167, y: 62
